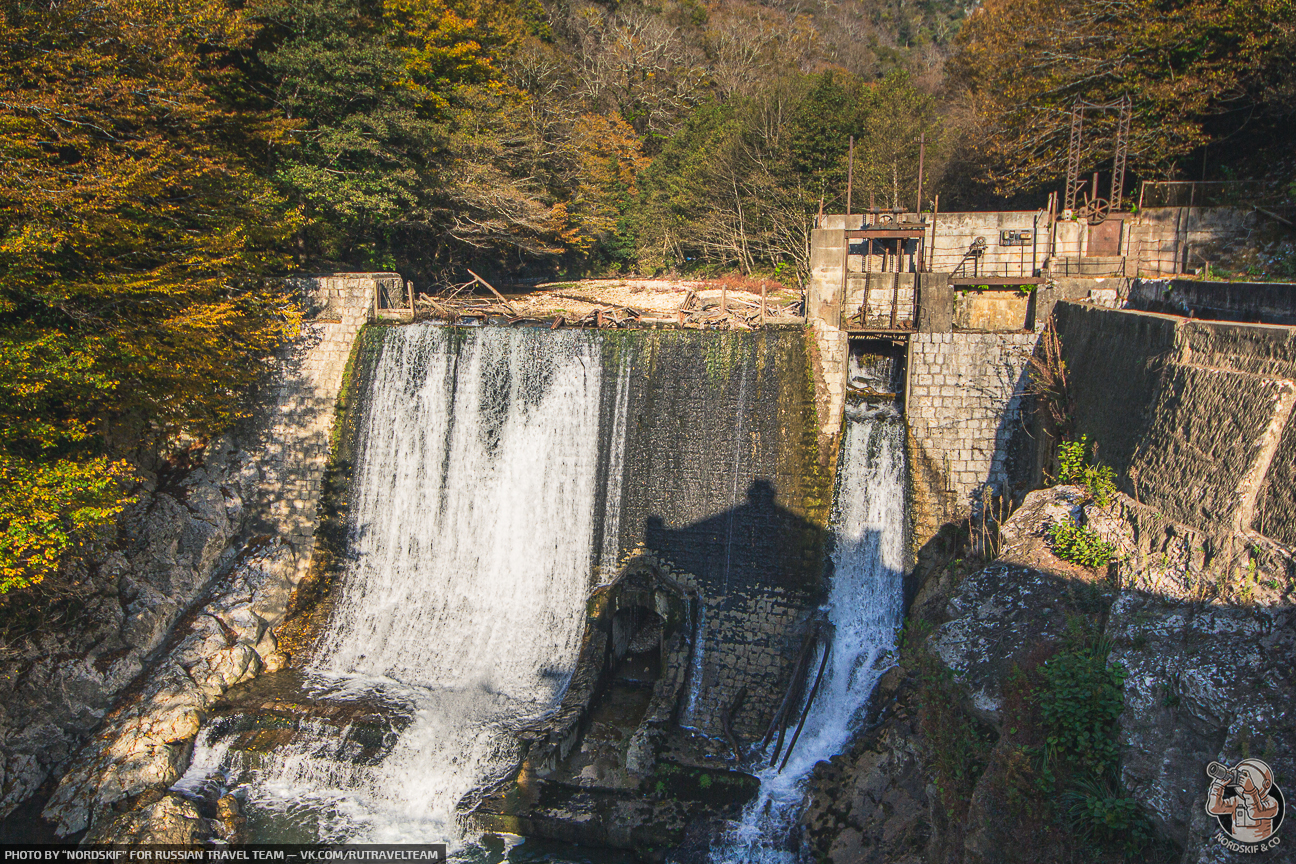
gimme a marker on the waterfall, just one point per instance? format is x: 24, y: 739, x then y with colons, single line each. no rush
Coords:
x: 615, y: 473
x: 865, y: 604
x: 463, y: 595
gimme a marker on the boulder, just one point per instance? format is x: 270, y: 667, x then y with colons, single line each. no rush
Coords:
x: 1206, y: 682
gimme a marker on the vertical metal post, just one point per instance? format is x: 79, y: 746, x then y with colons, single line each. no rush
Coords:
x: 922, y: 151
x: 931, y: 256
x: 850, y: 178
x: 1034, y: 231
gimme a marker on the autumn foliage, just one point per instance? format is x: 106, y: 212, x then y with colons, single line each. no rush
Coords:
x: 1195, y: 71
x: 133, y: 229
x: 164, y: 161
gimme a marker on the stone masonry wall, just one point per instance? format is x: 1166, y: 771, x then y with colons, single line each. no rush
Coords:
x: 295, y: 449
x: 964, y: 408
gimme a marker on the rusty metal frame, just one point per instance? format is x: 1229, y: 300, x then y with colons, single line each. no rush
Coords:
x: 1075, y: 149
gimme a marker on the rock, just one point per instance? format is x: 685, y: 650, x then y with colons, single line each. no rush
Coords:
x: 60, y: 690
x: 1024, y: 536
x: 230, y: 823
x: 1205, y: 683
x: 146, y: 745
x: 171, y: 820
x: 991, y: 614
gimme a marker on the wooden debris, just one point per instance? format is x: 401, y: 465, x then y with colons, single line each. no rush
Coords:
x: 506, y: 303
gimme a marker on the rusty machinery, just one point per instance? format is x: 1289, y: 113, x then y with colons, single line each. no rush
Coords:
x: 1094, y: 209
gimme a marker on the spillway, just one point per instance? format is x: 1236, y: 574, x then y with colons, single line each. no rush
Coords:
x: 462, y: 597
x: 865, y: 606
x: 497, y: 477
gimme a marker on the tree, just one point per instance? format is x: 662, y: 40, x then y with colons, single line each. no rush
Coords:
x: 133, y: 230
x: 1184, y: 64
x: 741, y: 182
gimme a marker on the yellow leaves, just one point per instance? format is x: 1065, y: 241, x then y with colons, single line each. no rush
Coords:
x: 46, y: 509
x: 438, y: 48
x: 131, y: 231
x: 610, y: 158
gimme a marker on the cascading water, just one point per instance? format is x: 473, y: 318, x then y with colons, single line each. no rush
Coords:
x: 463, y: 598
x: 865, y: 605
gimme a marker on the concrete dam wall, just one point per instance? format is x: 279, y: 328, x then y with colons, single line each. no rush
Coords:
x: 485, y: 482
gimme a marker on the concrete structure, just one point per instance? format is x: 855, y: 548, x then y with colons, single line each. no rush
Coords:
x: 1024, y: 243
x: 1195, y: 416
x: 968, y: 342
x: 301, y: 407
x: 966, y: 425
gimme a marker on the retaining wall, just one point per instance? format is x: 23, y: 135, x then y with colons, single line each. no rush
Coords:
x: 964, y: 409
x: 294, y: 449
x: 1195, y: 416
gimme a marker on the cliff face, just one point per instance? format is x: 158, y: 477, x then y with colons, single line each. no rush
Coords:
x: 183, y: 600
x: 59, y: 685
x: 957, y: 766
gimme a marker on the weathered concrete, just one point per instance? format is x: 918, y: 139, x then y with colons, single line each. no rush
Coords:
x: 827, y: 262
x: 1165, y: 240
x: 1256, y: 302
x: 296, y: 448
x: 992, y: 310
x: 1195, y: 416
x: 726, y: 480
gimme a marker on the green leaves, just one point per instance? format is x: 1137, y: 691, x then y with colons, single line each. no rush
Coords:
x: 1081, y: 704
x: 47, y: 508
x: 1075, y: 468
x: 741, y: 182
x: 1080, y: 707
x: 133, y: 227
x: 1080, y: 544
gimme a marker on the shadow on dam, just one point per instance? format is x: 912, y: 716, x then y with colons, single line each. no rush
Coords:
x: 740, y: 546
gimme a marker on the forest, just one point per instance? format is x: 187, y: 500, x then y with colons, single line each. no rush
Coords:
x: 165, y: 160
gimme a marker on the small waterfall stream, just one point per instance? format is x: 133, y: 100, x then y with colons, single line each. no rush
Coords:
x: 865, y: 605
x: 463, y: 599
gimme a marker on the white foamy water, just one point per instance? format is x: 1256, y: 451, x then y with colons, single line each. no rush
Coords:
x: 615, y: 473
x: 865, y: 605
x: 464, y: 593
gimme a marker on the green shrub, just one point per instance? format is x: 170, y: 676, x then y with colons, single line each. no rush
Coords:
x: 1075, y: 468
x: 1101, y: 813
x: 1080, y: 544
x: 1080, y: 705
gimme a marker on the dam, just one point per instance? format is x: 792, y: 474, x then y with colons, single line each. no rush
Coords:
x: 505, y: 482
x: 627, y: 589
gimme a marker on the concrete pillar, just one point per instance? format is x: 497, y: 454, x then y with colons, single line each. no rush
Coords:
x: 935, y: 303
x: 827, y: 273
